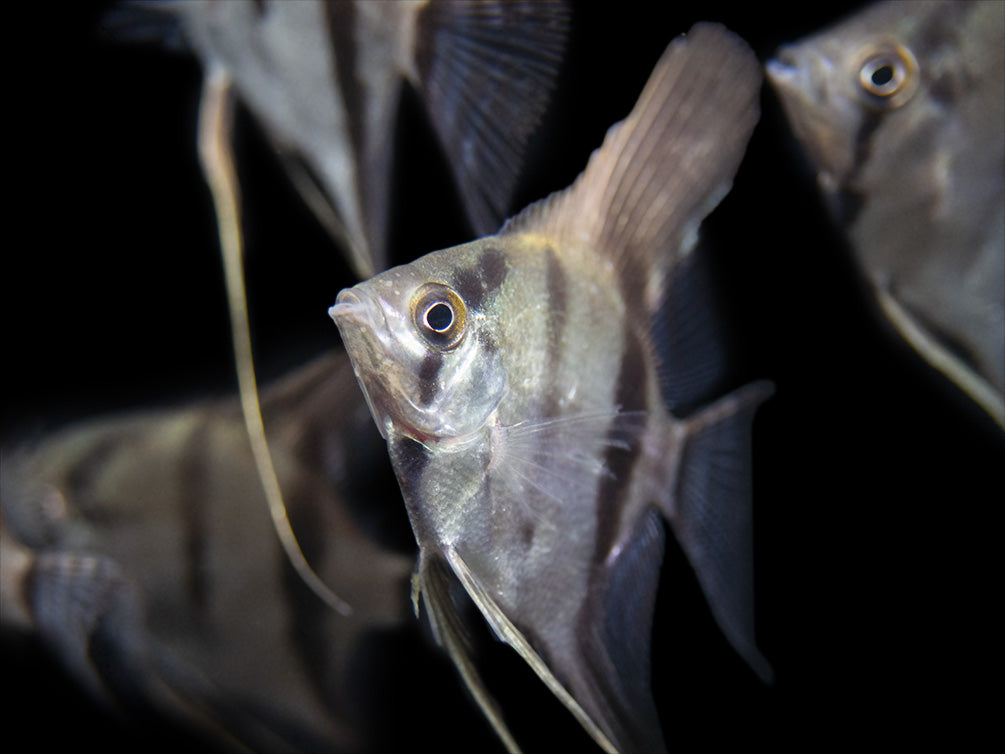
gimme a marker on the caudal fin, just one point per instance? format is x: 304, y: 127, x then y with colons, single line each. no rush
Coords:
x: 710, y: 512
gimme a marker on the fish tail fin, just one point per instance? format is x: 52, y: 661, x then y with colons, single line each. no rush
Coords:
x: 486, y: 71
x: 710, y: 510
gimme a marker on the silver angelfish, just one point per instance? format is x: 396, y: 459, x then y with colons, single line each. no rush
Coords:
x: 520, y: 386
x: 901, y: 109
x: 324, y: 78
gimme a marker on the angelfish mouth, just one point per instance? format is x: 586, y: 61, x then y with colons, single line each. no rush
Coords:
x: 353, y: 317
x: 349, y: 307
x: 359, y: 320
x: 362, y: 324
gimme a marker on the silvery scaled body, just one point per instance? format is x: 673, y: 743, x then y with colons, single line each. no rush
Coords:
x: 901, y: 109
x: 537, y: 425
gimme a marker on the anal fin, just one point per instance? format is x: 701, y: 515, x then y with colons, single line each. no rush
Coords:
x: 509, y: 633
x: 435, y: 590
x: 615, y: 640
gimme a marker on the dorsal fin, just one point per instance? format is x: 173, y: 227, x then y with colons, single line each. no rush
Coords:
x: 662, y: 169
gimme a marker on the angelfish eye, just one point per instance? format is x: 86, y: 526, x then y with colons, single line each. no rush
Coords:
x: 439, y: 315
x: 888, y: 75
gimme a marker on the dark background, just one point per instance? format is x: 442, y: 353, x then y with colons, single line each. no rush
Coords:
x: 875, y: 486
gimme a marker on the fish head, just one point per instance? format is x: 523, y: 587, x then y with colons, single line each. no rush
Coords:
x: 420, y: 337
x: 832, y: 86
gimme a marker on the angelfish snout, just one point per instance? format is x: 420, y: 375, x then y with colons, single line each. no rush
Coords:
x: 349, y: 307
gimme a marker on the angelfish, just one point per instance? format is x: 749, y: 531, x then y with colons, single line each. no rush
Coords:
x: 521, y: 387
x: 324, y: 78
x: 901, y: 109
x: 139, y: 549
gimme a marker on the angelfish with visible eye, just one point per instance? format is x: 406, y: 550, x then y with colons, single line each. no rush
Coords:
x: 901, y: 109
x: 537, y: 424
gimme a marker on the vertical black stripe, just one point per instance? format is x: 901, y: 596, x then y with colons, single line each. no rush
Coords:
x: 849, y: 201
x: 614, y: 489
x: 429, y: 373
x: 410, y: 459
x: 476, y: 283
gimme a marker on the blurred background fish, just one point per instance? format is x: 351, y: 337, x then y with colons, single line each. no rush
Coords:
x: 901, y: 109
x: 140, y: 549
x: 324, y: 78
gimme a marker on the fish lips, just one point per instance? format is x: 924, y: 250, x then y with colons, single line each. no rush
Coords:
x: 361, y: 321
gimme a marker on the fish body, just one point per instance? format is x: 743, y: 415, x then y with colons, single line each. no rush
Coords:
x: 519, y: 383
x: 901, y: 109
x: 324, y: 77
x: 140, y: 550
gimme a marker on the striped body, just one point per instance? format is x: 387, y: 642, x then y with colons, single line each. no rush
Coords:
x: 142, y: 551
x: 520, y: 386
x: 914, y: 169
x: 324, y: 77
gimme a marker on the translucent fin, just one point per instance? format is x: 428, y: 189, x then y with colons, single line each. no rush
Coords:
x: 691, y: 343
x: 508, y: 633
x: 616, y: 638
x: 711, y: 513
x: 486, y: 71
x: 558, y: 461
x: 661, y: 170
x: 446, y: 623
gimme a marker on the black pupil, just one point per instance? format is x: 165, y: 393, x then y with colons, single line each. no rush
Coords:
x: 439, y: 316
x: 882, y: 75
